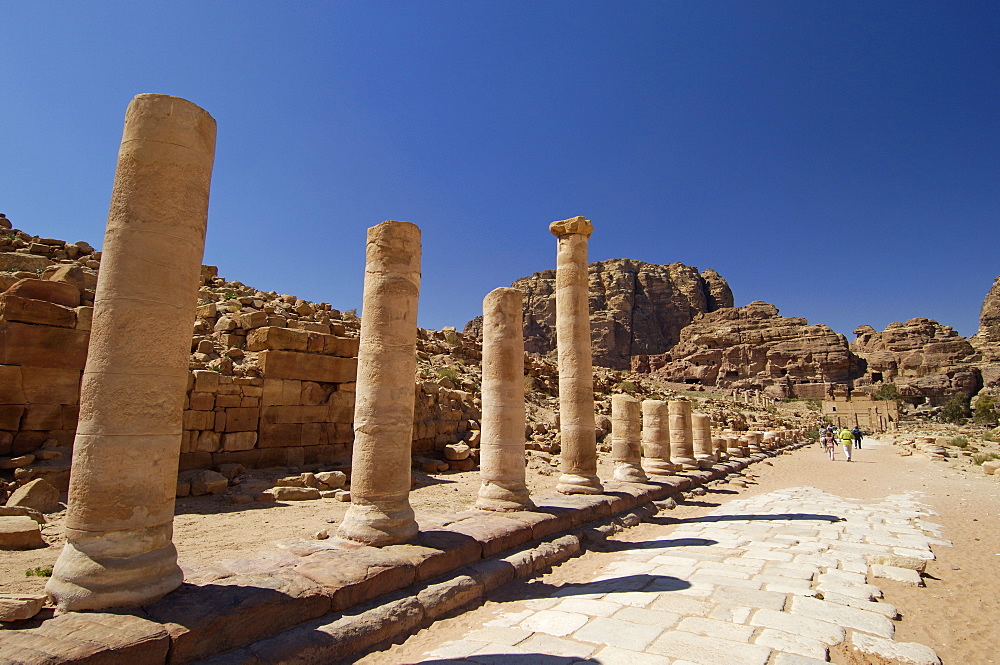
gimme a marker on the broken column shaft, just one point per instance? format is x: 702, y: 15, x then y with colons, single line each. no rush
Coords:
x: 380, y: 512
x: 119, y: 548
x: 502, y: 449
x: 626, y: 439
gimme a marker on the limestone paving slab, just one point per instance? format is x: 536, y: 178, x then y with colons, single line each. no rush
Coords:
x: 727, y: 588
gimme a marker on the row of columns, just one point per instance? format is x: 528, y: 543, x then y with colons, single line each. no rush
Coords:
x: 119, y: 550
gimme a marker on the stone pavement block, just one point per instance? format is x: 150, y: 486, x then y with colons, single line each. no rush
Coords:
x: 749, y: 597
x: 498, y: 635
x: 784, y: 588
x: 508, y: 619
x: 499, y: 654
x: 555, y: 646
x: 685, y: 605
x: 848, y: 617
x: 616, y: 656
x: 588, y: 606
x: 647, y: 617
x: 842, y: 577
x: 457, y: 649
x: 731, y: 613
x: 904, y: 575
x: 784, y: 581
x: 554, y: 623
x: 709, y: 650
x: 633, y: 598
x: 789, y: 643
x: 793, y: 659
x: 714, y: 628
x: 709, y: 578
x: 908, y: 653
x: 615, y: 633
x: 885, y: 609
x: 861, y: 591
x: 823, y: 631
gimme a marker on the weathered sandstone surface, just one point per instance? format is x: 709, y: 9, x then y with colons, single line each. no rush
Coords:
x: 921, y: 357
x: 752, y: 347
x: 987, y: 340
x: 636, y: 308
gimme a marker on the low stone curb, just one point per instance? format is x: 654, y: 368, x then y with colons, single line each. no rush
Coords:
x: 324, y: 601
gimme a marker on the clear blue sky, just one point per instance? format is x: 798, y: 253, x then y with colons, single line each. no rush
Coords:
x: 838, y: 159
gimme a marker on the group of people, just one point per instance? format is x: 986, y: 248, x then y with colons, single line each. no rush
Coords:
x: 850, y: 439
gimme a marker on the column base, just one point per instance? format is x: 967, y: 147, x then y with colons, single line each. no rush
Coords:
x: 570, y: 483
x: 705, y: 462
x: 378, y: 525
x: 99, y: 570
x: 627, y: 472
x: 658, y: 467
x: 494, y: 496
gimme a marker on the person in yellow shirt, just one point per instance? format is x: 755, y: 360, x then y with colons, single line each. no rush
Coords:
x: 847, y: 441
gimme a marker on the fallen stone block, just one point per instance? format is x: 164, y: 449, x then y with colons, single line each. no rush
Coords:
x: 905, y: 575
x: 19, y: 608
x: 87, y: 637
x: 282, y: 493
x: 899, y: 561
x: 37, y: 494
x: 333, y: 480
x: 204, y: 481
x: 22, y: 511
x: 16, y: 462
x: 20, y: 533
x: 904, y: 653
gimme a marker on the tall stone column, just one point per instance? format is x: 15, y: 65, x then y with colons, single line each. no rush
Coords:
x: 701, y: 427
x: 502, y: 448
x: 119, y: 550
x: 656, y: 438
x: 626, y: 441
x: 380, y: 512
x: 681, y: 446
x: 578, y: 433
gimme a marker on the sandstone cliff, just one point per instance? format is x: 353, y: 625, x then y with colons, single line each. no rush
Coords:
x: 636, y: 308
x: 754, y: 347
x: 987, y: 340
x: 921, y: 357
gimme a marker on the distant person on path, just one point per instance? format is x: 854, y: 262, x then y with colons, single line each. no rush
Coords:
x: 858, y: 434
x: 828, y: 442
x: 846, y: 440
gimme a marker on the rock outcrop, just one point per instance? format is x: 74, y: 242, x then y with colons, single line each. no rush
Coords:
x: 987, y: 340
x: 921, y: 357
x: 753, y: 347
x: 636, y: 308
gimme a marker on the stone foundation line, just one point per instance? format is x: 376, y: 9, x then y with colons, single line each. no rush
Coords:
x: 577, y: 430
x: 119, y: 525
x: 626, y: 442
x: 681, y: 435
x: 502, y: 445
x: 380, y: 512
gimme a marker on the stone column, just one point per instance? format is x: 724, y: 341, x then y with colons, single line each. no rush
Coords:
x: 380, y: 512
x: 656, y: 438
x: 681, y: 446
x: 719, y: 445
x: 626, y: 442
x: 701, y: 428
x: 502, y: 447
x: 119, y: 550
x: 578, y: 433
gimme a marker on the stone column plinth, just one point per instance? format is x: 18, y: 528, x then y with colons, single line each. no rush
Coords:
x: 701, y: 430
x: 380, y: 512
x: 626, y: 439
x: 719, y: 446
x: 744, y: 445
x: 681, y: 446
x: 502, y: 448
x: 119, y: 550
x: 753, y: 442
x: 733, y: 445
x: 578, y: 434
x: 656, y: 438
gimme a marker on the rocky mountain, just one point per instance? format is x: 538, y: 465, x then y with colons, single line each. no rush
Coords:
x: 921, y: 357
x: 754, y: 347
x: 987, y: 340
x: 636, y: 308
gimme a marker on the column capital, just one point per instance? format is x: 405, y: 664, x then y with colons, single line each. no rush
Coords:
x: 573, y: 225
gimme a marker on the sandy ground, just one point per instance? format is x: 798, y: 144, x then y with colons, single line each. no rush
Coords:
x: 957, y: 613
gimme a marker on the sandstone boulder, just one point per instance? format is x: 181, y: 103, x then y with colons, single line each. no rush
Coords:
x: 37, y: 494
x: 333, y: 480
x: 20, y: 533
x: 204, y: 481
x: 19, y: 608
x: 456, y: 451
x: 60, y: 293
x: 293, y: 493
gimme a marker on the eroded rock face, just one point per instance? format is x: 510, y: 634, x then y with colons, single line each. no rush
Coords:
x: 636, y: 308
x: 754, y: 347
x: 921, y: 357
x: 987, y: 340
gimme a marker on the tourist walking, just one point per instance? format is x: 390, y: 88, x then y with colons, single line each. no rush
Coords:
x: 827, y: 438
x: 846, y: 440
x: 858, y: 435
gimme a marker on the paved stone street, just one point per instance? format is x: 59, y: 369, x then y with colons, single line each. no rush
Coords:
x: 775, y: 579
